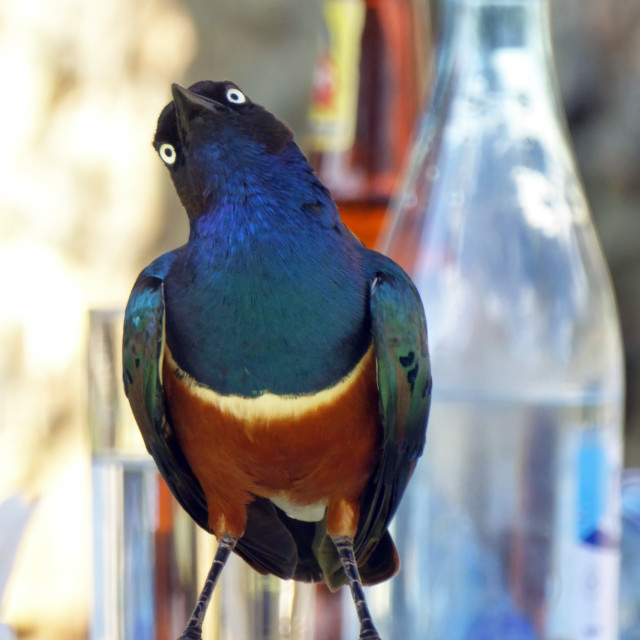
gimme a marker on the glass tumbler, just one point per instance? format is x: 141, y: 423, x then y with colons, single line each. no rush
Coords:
x: 150, y: 559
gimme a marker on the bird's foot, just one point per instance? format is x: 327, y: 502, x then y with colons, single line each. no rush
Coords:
x: 191, y: 633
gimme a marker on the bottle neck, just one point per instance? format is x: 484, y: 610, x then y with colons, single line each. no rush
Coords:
x: 503, y: 45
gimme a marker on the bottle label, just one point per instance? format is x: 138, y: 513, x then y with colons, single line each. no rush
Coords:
x: 334, y: 103
x: 585, y: 603
x: 598, y: 535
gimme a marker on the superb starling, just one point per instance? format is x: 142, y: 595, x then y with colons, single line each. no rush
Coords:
x: 278, y: 370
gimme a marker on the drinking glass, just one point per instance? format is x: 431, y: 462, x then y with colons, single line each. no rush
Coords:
x: 149, y: 559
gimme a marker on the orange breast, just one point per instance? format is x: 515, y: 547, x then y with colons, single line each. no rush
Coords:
x: 310, y: 450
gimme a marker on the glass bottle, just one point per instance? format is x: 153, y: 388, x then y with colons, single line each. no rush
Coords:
x: 510, y: 526
x: 366, y: 93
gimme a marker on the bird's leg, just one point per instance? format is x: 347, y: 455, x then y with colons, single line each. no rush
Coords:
x: 344, y: 544
x: 193, y: 630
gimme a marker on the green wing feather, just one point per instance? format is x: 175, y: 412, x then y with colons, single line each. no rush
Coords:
x: 399, y: 335
x: 142, y: 349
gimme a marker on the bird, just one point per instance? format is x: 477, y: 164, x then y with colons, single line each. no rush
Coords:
x: 277, y: 369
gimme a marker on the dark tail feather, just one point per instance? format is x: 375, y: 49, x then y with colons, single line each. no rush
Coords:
x: 274, y: 543
x: 382, y: 564
x: 290, y: 549
x: 267, y: 545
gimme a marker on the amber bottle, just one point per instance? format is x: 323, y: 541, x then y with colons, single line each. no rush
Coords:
x: 367, y: 90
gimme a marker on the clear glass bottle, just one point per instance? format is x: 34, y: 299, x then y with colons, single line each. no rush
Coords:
x: 510, y: 527
x: 367, y: 89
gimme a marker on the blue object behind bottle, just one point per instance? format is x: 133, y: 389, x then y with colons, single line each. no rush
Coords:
x: 511, y: 524
x: 630, y: 552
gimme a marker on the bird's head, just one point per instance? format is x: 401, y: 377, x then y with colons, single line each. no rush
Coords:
x: 209, y: 135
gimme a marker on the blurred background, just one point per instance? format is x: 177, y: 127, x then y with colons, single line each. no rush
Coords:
x: 85, y: 204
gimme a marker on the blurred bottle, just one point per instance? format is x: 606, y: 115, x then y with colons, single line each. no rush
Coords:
x: 367, y: 88
x: 510, y: 527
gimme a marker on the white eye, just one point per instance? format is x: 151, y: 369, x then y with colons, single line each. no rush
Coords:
x: 236, y: 96
x: 168, y: 153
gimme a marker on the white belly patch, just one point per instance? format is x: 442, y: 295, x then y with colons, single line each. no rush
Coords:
x: 270, y: 405
x: 305, y: 512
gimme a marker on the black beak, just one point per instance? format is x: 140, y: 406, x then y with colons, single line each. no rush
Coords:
x: 188, y: 106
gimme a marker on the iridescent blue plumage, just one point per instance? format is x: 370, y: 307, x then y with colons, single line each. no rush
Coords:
x: 271, y: 334
x: 262, y: 285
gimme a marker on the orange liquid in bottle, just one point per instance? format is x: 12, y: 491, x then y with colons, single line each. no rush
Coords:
x: 365, y: 219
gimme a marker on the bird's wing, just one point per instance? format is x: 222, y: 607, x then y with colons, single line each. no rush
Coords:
x: 142, y: 352
x: 399, y: 336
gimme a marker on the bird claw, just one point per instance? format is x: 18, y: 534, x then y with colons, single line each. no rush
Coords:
x: 369, y: 634
x: 191, y: 634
